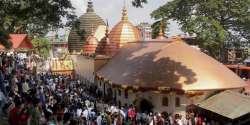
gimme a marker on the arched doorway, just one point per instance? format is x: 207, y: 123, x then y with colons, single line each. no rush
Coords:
x: 145, y: 106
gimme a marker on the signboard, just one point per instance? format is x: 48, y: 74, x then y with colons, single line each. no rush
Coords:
x: 61, y: 65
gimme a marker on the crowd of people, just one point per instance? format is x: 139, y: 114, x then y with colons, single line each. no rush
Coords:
x: 29, y: 98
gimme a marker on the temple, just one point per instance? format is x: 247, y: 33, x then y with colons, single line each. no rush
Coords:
x: 162, y: 74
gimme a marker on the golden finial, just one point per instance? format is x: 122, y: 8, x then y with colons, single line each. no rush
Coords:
x: 107, y: 32
x: 125, y: 11
x: 178, y: 38
x: 107, y: 29
x: 161, y: 33
x: 90, y: 6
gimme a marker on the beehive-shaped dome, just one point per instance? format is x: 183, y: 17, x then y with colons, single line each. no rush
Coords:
x: 124, y: 31
x: 83, y: 28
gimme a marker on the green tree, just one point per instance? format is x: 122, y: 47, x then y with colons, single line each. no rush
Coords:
x: 34, y: 16
x: 212, y: 22
x: 42, y: 47
x: 4, y: 40
x: 139, y: 3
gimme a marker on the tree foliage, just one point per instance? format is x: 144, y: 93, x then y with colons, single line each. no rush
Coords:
x: 213, y: 22
x: 4, y: 40
x: 42, y: 46
x: 139, y: 3
x: 34, y: 16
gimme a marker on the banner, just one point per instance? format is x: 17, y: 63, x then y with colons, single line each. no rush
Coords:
x: 61, y: 65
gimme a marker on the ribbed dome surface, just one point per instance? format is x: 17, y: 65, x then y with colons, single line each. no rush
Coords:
x: 87, y: 22
x: 90, y: 46
x: 124, y: 32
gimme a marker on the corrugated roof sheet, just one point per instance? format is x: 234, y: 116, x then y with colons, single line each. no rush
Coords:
x: 228, y: 103
x: 19, y: 41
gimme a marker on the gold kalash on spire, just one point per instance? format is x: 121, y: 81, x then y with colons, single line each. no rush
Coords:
x: 161, y: 34
x: 90, y: 6
x: 124, y: 31
x: 125, y: 12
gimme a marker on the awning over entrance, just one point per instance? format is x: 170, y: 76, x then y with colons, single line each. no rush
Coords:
x: 229, y: 104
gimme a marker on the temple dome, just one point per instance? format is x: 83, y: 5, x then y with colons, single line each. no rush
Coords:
x: 124, y: 31
x: 86, y: 22
x: 90, y: 46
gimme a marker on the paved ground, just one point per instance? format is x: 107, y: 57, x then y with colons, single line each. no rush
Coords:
x: 3, y: 120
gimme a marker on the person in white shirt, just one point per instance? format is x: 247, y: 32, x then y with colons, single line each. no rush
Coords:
x: 79, y: 112
x: 99, y: 120
x: 171, y: 119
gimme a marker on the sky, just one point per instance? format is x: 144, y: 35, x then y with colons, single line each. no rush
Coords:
x: 111, y: 10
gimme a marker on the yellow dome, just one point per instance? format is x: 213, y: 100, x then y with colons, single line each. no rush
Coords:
x: 124, y: 31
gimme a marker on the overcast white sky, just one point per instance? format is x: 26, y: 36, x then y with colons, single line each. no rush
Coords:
x: 111, y: 10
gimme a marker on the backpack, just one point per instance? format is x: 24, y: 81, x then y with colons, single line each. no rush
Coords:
x: 104, y: 121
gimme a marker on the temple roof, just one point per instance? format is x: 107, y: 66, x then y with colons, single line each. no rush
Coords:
x: 19, y: 41
x: 86, y: 22
x: 171, y: 64
x: 124, y: 31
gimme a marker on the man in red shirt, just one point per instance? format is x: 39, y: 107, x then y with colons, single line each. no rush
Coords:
x: 14, y: 113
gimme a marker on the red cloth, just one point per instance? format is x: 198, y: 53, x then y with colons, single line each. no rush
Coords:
x: 131, y: 113
x: 23, y: 119
x: 199, y: 121
x: 14, y: 116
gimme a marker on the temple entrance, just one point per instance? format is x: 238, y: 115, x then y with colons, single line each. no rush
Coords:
x: 146, y: 106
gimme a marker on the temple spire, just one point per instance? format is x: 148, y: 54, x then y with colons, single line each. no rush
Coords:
x: 90, y: 6
x: 178, y: 38
x: 107, y: 32
x: 107, y: 29
x: 125, y: 11
x: 161, y: 32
